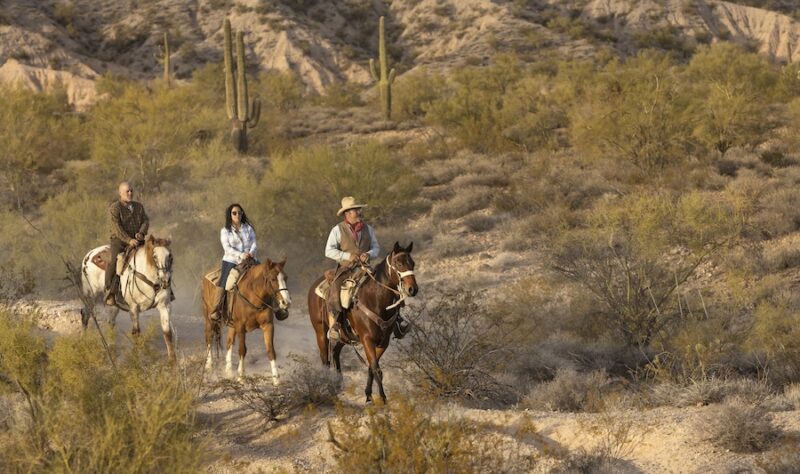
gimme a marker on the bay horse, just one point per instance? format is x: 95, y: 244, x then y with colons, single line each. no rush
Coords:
x: 373, y: 315
x: 145, y: 283
x: 251, y: 304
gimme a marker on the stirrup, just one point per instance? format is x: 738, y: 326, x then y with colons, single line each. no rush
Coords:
x: 334, y: 332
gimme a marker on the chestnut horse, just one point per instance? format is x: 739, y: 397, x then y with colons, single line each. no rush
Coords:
x: 259, y: 294
x: 373, y: 315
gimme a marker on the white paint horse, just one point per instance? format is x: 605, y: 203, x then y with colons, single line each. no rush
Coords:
x: 145, y: 284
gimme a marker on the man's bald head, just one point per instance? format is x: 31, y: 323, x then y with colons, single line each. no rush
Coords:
x: 125, y: 192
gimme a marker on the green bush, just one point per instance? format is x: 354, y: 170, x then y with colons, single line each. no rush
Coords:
x: 31, y: 124
x: 406, y: 438
x: 633, y: 113
x: 414, y: 92
x: 729, y: 88
x: 86, y: 415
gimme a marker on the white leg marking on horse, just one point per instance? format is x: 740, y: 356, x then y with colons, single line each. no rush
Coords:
x: 229, y: 360
x: 241, y: 367
x: 209, y: 362
x: 274, y: 366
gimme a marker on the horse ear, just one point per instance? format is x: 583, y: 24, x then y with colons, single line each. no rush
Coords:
x: 150, y: 238
x: 396, y: 247
x: 282, y: 263
x: 410, y: 246
x: 269, y: 263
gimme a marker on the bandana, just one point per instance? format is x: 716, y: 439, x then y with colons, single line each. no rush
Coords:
x: 355, y: 229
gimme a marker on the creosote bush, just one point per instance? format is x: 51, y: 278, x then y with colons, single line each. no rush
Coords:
x: 406, y: 438
x: 83, y: 414
x: 455, y: 348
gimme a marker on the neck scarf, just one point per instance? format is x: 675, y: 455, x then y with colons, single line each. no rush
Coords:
x: 355, y: 229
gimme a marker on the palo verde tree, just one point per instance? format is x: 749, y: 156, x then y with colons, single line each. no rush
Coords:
x: 386, y: 76
x: 242, y: 112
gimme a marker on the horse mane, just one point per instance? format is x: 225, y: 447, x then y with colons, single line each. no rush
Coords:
x: 150, y: 244
x: 380, y: 268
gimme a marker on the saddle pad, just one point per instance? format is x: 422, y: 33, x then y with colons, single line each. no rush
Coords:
x: 101, y: 259
x: 322, y: 289
x: 213, y: 276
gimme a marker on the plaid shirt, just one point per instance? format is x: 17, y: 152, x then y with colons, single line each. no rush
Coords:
x: 125, y: 221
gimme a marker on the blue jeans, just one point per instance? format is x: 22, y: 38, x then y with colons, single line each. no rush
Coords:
x: 224, y: 271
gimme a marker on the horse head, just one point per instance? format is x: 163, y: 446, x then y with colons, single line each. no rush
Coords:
x: 275, y: 280
x: 160, y: 257
x: 402, y: 266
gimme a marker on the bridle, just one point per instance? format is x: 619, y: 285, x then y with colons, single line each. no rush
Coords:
x: 401, y: 290
x: 281, y: 295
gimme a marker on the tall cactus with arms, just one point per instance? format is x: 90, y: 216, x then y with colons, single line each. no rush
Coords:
x: 163, y: 57
x: 242, y: 113
x: 386, y: 77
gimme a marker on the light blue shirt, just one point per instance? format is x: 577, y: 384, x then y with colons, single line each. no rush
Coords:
x: 237, y: 243
x: 333, y: 246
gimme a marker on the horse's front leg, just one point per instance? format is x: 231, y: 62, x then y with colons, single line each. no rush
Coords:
x: 268, y: 329
x: 134, y: 312
x: 229, y: 354
x: 166, y: 329
x: 241, y: 332
x: 372, y: 360
x: 379, y: 373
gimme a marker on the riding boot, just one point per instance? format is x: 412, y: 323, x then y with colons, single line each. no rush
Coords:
x: 335, y: 331
x: 111, y: 291
x: 401, y: 327
x: 218, y: 302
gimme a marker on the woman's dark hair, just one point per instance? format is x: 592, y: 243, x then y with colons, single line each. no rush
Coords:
x: 229, y: 221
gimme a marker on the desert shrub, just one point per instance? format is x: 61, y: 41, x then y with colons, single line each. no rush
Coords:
x: 774, y: 337
x: 470, y: 109
x: 480, y: 222
x: 705, y: 391
x: 143, y: 135
x: 407, y: 438
x: 16, y: 281
x: 468, y: 199
x: 533, y: 115
x: 279, y: 90
x: 633, y: 114
x: 31, y: 123
x: 89, y: 410
x: 792, y: 395
x: 340, y: 95
x: 738, y: 426
x: 785, y: 459
x: 728, y: 101
x: 568, y: 391
x: 446, y: 246
x: 414, y: 92
x: 305, y: 385
x: 454, y: 349
x: 619, y: 257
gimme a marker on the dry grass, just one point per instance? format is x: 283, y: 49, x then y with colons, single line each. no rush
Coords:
x: 467, y: 199
x: 714, y: 390
x: 569, y: 391
x: 739, y: 426
x: 305, y: 385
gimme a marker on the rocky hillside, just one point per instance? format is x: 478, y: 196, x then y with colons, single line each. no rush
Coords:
x: 327, y: 42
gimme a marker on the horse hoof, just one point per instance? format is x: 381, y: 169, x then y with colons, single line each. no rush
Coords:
x: 274, y: 381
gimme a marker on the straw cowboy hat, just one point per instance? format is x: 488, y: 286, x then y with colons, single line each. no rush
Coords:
x: 349, y: 202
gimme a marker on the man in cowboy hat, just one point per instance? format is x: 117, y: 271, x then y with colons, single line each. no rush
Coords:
x: 350, y: 241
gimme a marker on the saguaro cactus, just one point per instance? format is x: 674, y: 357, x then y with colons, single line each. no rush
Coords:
x: 386, y: 77
x: 163, y: 57
x: 242, y: 113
